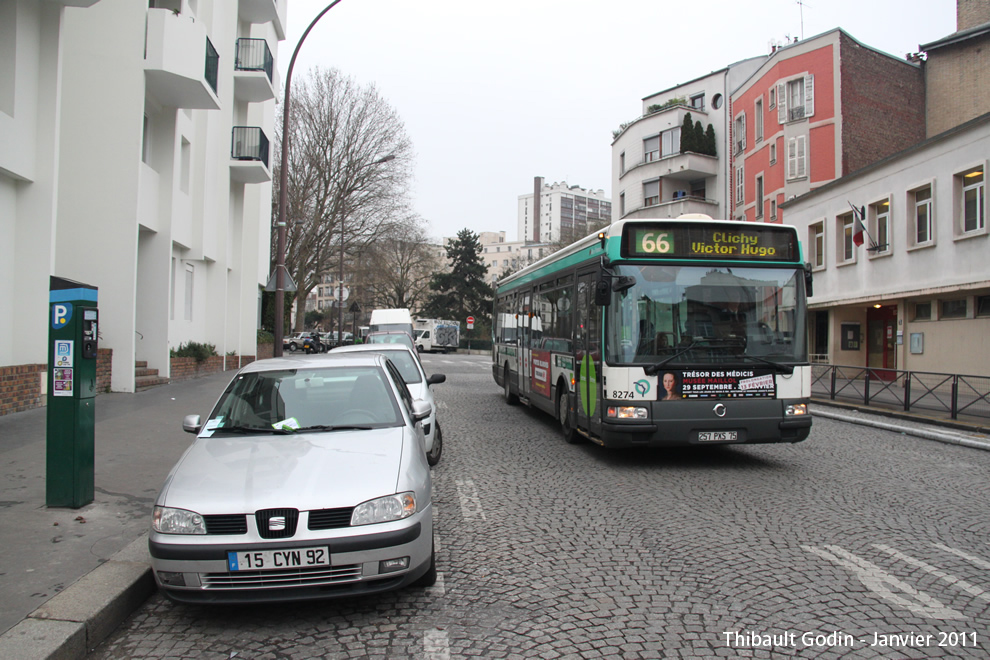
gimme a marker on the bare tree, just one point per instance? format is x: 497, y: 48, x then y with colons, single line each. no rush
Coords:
x: 349, y: 165
x: 396, y: 268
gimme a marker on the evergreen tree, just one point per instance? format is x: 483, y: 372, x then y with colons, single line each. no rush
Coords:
x: 687, y: 134
x: 463, y: 291
x: 699, y: 138
x: 711, y: 147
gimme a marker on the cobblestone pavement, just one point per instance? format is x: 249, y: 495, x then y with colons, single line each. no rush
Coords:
x: 824, y: 549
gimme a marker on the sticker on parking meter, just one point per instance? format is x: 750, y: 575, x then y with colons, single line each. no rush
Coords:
x: 63, y: 353
x: 62, y: 382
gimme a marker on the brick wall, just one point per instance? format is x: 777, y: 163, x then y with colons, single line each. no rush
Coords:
x: 883, y: 105
x: 958, y: 83
x: 970, y: 13
x: 20, y: 387
x: 104, y: 369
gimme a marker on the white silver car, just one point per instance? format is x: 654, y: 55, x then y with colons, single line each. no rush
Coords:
x: 411, y: 368
x: 308, y: 480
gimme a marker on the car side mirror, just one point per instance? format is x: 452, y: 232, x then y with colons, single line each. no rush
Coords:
x: 436, y: 379
x: 191, y: 423
x: 421, y: 410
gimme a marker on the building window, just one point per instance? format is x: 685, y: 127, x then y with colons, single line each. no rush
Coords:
x: 773, y: 210
x: 983, y: 305
x: 796, y: 99
x: 973, y: 200
x: 670, y: 142
x: 146, y: 142
x: 759, y: 197
x: 953, y: 309
x: 816, y: 239
x: 622, y: 163
x: 759, y: 119
x: 740, y: 186
x: 773, y: 98
x: 717, y: 101
x: 739, y: 128
x: 773, y: 153
x: 881, y: 226
x: 797, y: 157
x: 622, y: 204
x: 923, y: 311
x: 698, y: 102
x: 921, y: 203
x: 190, y: 277
x: 651, y: 193
x: 846, y: 225
x: 651, y: 149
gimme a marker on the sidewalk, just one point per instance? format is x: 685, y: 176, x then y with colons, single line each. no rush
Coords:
x: 69, y: 577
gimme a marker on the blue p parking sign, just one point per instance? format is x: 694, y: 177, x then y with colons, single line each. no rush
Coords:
x: 61, y: 314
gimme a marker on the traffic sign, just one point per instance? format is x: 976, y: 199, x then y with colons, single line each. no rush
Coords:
x: 470, y: 322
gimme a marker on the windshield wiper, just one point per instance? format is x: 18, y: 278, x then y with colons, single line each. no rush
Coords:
x: 328, y: 427
x: 778, y: 367
x: 731, y: 342
x: 253, y: 429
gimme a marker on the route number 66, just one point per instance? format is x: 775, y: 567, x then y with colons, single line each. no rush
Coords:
x: 660, y: 245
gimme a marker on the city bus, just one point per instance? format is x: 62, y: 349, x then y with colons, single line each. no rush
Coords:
x: 663, y: 333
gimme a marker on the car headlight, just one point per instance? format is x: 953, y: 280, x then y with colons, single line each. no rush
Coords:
x: 627, y: 412
x: 177, y: 521
x: 796, y: 409
x: 384, y: 509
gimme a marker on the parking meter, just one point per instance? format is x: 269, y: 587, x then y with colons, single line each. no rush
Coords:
x: 73, y: 338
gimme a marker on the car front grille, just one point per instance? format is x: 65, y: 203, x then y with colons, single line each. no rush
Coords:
x: 277, y: 523
x: 330, y: 518
x: 296, y: 577
x: 226, y: 524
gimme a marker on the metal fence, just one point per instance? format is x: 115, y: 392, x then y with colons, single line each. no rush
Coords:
x: 955, y: 395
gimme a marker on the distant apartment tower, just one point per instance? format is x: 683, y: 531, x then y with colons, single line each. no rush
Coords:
x: 653, y: 176
x: 555, y: 212
x: 815, y: 111
x: 501, y: 256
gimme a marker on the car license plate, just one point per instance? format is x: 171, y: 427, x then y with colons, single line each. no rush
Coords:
x: 270, y: 560
x: 718, y: 436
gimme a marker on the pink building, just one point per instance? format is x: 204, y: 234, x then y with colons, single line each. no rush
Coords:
x: 815, y: 111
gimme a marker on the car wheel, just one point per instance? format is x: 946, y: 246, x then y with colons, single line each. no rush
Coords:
x: 433, y: 456
x: 510, y: 398
x: 570, y: 435
x: 429, y: 578
x: 419, y: 349
x: 292, y: 347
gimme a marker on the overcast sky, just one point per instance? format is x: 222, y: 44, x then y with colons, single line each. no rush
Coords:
x: 494, y: 93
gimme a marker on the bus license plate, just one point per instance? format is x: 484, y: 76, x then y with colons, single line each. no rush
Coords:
x: 718, y: 436
x: 271, y: 560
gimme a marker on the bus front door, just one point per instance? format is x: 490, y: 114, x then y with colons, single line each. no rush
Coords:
x: 525, y: 335
x: 588, y: 356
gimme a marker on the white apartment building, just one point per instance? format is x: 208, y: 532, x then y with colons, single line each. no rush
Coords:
x: 134, y: 157
x: 651, y: 177
x: 502, y: 256
x: 562, y: 210
x: 916, y: 294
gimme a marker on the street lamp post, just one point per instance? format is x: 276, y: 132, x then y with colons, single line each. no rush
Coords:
x: 282, y: 183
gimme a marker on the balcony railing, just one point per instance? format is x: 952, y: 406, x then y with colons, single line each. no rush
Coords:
x: 249, y: 143
x: 795, y: 113
x: 212, y: 65
x: 254, y: 55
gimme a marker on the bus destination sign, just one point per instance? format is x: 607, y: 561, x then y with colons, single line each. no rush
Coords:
x: 700, y: 240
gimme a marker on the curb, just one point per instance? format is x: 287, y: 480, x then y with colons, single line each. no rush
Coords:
x: 951, y: 437
x: 80, y: 617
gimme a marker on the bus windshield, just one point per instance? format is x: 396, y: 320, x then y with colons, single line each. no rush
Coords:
x: 706, y: 315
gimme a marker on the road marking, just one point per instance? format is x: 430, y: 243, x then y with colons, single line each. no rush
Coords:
x: 467, y: 493
x: 972, y: 590
x: 436, y: 644
x: 982, y: 563
x: 884, y: 584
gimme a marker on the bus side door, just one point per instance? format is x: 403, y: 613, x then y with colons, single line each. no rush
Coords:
x: 525, y: 337
x: 588, y: 355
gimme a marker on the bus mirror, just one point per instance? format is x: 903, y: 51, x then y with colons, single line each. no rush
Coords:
x: 623, y: 282
x: 808, y: 288
x: 603, y: 293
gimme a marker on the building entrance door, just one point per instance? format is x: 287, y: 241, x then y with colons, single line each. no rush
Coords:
x: 881, y: 346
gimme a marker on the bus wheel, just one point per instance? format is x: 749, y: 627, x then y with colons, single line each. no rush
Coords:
x: 510, y: 398
x: 570, y: 435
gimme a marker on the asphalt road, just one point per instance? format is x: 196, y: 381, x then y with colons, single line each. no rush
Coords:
x: 859, y: 542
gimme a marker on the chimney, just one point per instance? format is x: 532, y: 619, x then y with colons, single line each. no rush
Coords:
x: 970, y: 13
x: 537, y: 198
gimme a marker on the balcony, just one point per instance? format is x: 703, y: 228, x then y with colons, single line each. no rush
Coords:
x: 76, y: 3
x: 653, y: 208
x: 687, y: 166
x: 264, y: 11
x: 180, y: 63
x: 249, y: 155
x: 253, y: 70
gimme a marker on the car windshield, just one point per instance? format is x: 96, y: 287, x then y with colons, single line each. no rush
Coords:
x: 391, y: 338
x: 405, y: 362
x: 299, y: 399
x: 685, y: 314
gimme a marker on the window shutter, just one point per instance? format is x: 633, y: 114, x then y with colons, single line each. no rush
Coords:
x: 801, y: 157
x: 740, y: 187
x: 791, y: 158
x: 781, y: 103
x: 809, y: 95
x: 742, y: 138
x: 651, y: 188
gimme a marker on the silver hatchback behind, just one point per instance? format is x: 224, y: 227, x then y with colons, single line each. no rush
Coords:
x: 308, y: 480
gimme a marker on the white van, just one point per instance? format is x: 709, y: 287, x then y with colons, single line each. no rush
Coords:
x: 392, y: 319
